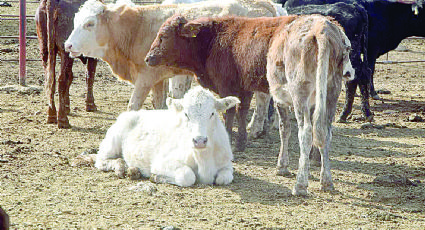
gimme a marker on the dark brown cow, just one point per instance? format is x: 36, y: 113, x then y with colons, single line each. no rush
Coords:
x: 304, y: 58
x: 54, y: 22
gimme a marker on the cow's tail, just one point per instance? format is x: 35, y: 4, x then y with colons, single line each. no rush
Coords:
x: 320, y: 111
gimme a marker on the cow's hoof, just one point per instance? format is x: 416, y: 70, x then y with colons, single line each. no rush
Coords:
x: 52, y: 120
x: 134, y: 173
x: 64, y: 124
x: 91, y: 108
x: 328, y: 187
x: 342, y: 120
x: 120, y: 168
x: 369, y: 118
x: 224, y: 178
x: 299, y: 191
x: 284, y: 172
x: 375, y: 97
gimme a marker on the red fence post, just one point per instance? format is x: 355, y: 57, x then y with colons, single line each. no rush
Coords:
x: 22, y: 42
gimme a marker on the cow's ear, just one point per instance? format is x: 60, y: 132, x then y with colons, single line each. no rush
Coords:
x: 190, y: 29
x: 174, y: 104
x: 226, y: 103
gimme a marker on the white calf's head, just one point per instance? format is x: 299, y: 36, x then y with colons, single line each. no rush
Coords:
x: 89, y: 36
x: 199, y: 110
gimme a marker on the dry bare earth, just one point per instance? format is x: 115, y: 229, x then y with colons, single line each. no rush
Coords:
x: 40, y: 190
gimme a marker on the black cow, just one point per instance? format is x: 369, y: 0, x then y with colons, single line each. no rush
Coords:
x: 354, y: 19
x: 389, y: 24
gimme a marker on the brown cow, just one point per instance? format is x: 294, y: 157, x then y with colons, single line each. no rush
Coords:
x: 230, y: 56
x: 54, y: 22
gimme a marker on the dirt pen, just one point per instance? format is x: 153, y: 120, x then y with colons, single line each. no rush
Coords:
x: 378, y: 169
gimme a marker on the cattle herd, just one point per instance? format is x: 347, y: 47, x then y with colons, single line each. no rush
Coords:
x: 298, y: 52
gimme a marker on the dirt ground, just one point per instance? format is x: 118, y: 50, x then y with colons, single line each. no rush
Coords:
x: 378, y: 170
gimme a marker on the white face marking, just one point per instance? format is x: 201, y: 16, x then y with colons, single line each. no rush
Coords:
x: 83, y: 40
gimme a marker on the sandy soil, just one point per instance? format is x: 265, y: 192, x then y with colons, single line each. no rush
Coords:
x: 378, y: 170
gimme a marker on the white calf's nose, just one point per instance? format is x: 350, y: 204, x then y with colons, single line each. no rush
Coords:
x: 68, y: 47
x: 200, y: 142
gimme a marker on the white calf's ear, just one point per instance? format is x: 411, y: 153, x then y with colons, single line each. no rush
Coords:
x: 174, y: 103
x: 226, y: 103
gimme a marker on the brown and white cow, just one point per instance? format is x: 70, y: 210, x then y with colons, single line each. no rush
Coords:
x: 302, y: 56
x: 121, y: 35
x: 54, y: 23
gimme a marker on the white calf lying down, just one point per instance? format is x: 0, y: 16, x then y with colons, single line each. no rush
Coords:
x: 181, y: 145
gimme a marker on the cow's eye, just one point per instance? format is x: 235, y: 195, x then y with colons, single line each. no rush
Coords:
x: 187, y: 116
x: 212, y: 114
x: 89, y: 25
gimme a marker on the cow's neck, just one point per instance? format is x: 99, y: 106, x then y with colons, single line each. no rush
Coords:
x: 132, y: 35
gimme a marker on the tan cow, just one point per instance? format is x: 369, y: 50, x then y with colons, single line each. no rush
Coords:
x: 121, y: 35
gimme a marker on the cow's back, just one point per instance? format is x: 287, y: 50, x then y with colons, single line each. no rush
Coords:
x: 235, y: 60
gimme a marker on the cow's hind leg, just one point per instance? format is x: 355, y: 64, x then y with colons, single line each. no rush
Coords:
x: 65, y: 80
x: 159, y: 92
x: 285, y: 133
x: 50, y: 86
x: 256, y: 125
x: 305, y: 137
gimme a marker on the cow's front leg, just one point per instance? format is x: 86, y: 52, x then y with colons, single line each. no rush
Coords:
x: 91, y: 70
x: 159, y: 92
x: 229, y: 117
x: 172, y: 172
x: 243, y: 108
x: 224, y: 175
x: 139, y: 95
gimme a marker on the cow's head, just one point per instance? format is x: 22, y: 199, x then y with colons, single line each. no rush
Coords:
x: 89, y: 36
x: 199, y: 110
x: 348, y: 72
x: 172, y: 42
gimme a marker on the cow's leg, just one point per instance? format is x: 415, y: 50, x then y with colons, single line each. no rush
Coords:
x: 305, y: 136
x: 229, y: 117
x: 350, y: 87
x: 364, y: 91
x: 140, y: 92
x: 50, y: 86
x: 91, y: 71
x: 256, y: 125
x: 243, y: 108
x: 325, y: 172
x: 172, y: 171
x: 65, y: 80
x: 160, y: 94
x: 179, y: 84
x: 285, y: 133
x: 224, y: 175
x: 117, y: 165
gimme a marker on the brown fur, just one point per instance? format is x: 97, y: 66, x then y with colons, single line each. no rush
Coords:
x: 54, y: 22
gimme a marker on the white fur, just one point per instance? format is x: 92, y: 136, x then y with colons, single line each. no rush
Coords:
x: 161, y: 142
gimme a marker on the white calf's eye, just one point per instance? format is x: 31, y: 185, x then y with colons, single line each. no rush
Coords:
x: 187, y: 116
x: 212, y: 115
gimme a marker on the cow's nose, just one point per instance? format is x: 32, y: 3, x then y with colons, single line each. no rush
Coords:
x: 151, y: 60
x: 200, y: 142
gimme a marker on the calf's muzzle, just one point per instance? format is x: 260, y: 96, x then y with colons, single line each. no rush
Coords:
x: 200, y: 142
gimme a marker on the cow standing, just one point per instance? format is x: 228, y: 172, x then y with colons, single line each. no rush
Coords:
x: 232, y: 55
x: 54, y: 22
x: 121, y: 35
x: 389, y: 23
x: 181, y: 145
